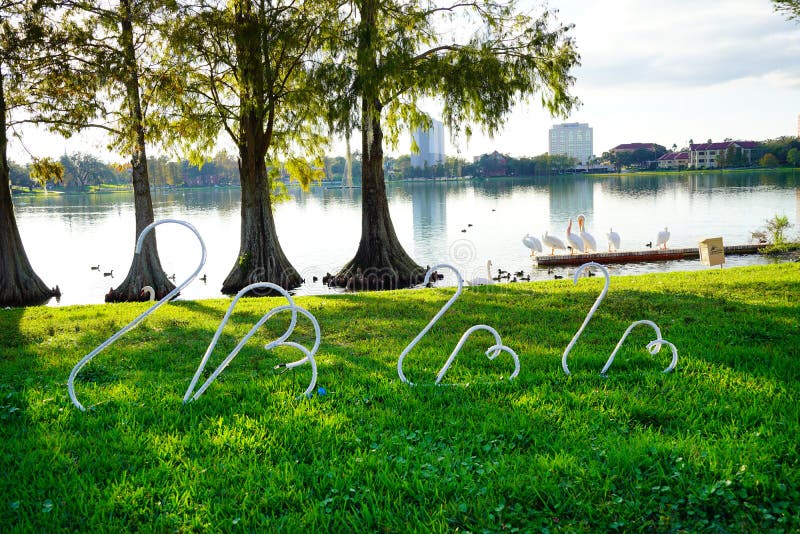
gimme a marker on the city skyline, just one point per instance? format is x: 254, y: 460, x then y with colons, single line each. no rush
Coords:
x: 662, y: 72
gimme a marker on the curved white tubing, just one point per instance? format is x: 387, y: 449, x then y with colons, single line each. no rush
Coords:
x: 86, y: 359
x: 653, y: 347
x: 491, y: 353
x: 593, y: 309
x: 224, y: 321
x: 464, y: 337
x: 660, y: 342
x: 281, y: 341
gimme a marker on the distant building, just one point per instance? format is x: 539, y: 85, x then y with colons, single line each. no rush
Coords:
x: 704, y: 155
x: 573, y: 139
x: 798, y: 125
x: 633, y: 147
x: 674, y: 160
x: 431, y: 145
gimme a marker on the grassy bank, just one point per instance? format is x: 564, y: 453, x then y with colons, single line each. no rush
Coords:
x: 743, y: 170
x: 712, y: 446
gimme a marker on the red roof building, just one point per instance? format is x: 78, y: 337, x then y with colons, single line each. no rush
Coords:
x: 674, y: 160
x: 705, y: 155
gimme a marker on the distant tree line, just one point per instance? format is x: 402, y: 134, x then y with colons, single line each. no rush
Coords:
x: 782, y: 151
x: 487, y: 165
x: 82, y: 170
x: 641, y: 157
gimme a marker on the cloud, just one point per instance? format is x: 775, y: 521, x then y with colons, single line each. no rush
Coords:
x: 681, y: 43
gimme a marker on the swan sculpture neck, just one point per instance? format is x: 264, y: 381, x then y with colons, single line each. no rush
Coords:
x: 653, y: 347
x: 491, y: 353
x: 86, y: 359
x: 459, y: 289
x: 151, y: 293
x: 593, y: 309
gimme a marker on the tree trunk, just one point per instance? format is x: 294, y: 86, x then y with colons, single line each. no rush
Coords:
x: 19, y: 284
x: 145, y: 269
x: 347, y: 179
x: 380, y: 262
x: 261, y: 258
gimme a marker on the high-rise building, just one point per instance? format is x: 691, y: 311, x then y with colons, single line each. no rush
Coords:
x: 798, y: 125
x: 572, y: 139
x: 431, y: 145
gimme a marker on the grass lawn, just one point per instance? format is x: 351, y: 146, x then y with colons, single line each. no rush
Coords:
x: 710, y: 447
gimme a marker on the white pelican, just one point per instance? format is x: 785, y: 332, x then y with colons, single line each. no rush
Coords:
x: 532, y: 243
x: 574, y: 241
x: 481, y: 281
x: 589, y: 244
x: 613, y: 239
x: 553, y: 242
x: 663, y: 237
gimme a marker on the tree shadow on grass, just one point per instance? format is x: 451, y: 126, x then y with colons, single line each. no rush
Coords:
x: 544, y: 440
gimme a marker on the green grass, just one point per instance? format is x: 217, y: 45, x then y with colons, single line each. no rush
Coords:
x: 710, y: 447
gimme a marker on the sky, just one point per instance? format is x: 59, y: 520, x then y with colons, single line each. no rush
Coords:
x: 651, y: 71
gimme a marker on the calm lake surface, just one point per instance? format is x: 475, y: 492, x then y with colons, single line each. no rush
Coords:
x: 319, y: 230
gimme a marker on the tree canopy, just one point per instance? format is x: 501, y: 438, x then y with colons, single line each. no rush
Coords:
x: 23, y: 28
x: 250, y: 73
x: 789, y: 8
x: 477, y: 59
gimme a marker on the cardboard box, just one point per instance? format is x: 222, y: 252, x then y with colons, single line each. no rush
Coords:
x: 712, y: 252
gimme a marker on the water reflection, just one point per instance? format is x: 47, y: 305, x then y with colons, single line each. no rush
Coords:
x: 570, y: 197
x: 319, y: 230
x: 429, y: 209
x: 797, y: 205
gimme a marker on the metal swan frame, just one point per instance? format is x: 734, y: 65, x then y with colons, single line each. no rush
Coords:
x: 279, y: 342
x: 86, y: 359
x: 492, y: 352
x: 653, y: 347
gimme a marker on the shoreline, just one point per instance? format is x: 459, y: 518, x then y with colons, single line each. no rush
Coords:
x: 789, y: 258
x: 331, y: 184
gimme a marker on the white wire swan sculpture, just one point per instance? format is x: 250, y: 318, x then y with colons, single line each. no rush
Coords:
x: 653, y: 347
x: 279, y: 342
x: 492, y: 352
x: 86, y: 359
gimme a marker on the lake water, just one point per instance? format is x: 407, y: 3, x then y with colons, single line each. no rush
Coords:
x: 319, y: 230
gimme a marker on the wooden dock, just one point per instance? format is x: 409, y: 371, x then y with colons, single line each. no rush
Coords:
x: 633, y: 256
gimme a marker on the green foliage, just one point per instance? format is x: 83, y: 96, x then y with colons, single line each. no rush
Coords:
x: 789, y: 8
x: 733, y: 157
x: 105, y: 67
x: 793, y: 157
x: 392, y: 56
x: 711, y: 447
x: 82, y: 170
x: 249, y: 72
x: 244, y: 262
x: 778, y: 147
x: 45, y: 170
x: 768, y: 160
x: 777, y: 226
x: 19, y: 175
